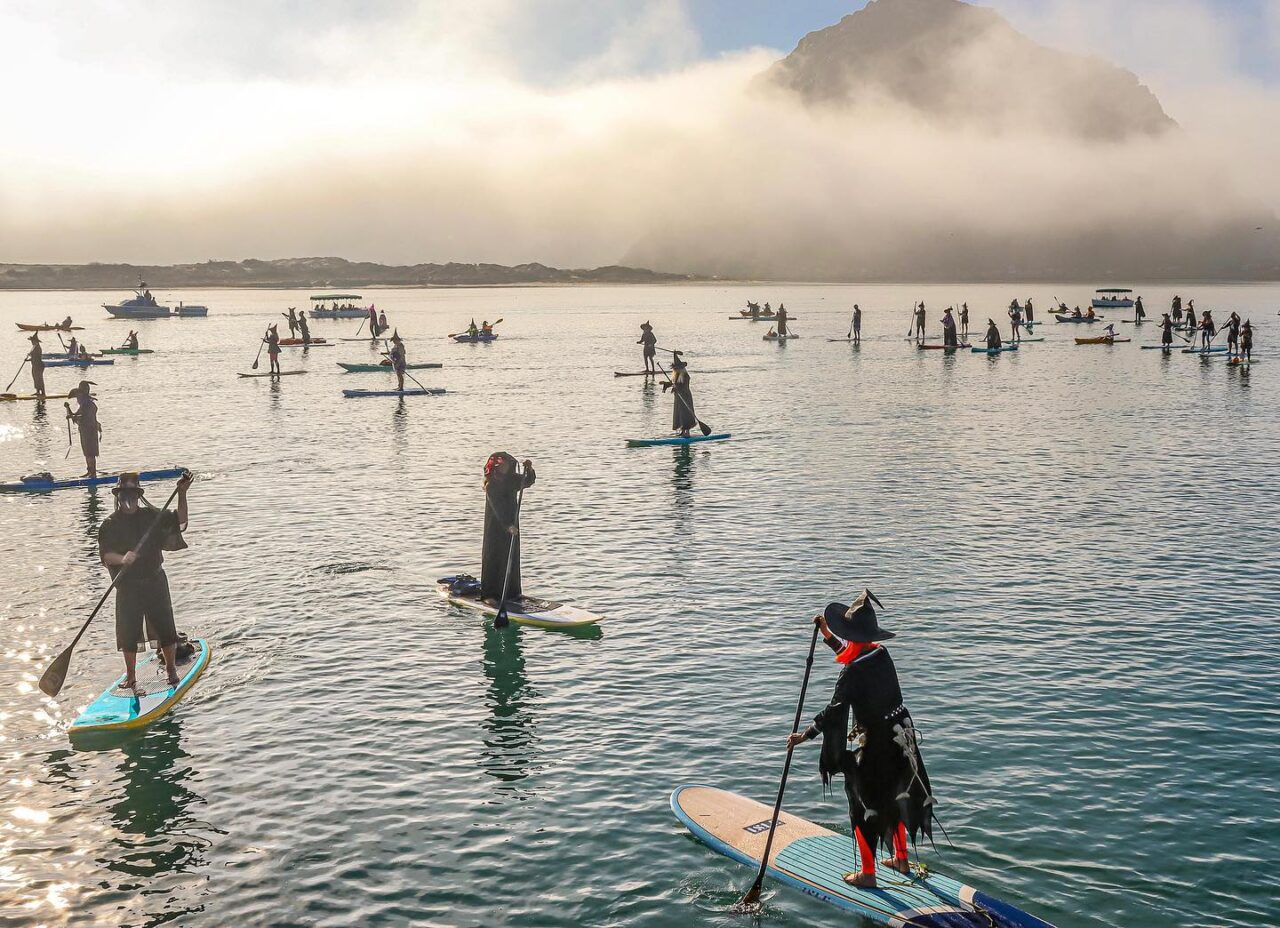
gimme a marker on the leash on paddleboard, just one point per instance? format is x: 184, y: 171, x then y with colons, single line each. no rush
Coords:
x: 501, y: 620
x: 753, y: 894
x: 20, y: 367
x: 702, y: 426
x: 258, y: 356
x: 56, y: 673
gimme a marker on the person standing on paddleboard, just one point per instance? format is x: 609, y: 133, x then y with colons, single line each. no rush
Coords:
x: 305, y: 330
x: 649, y: 340
x: 682, y: 416
x: 1028, y: 313
x: 273, y: 349
x: 1246, y: 341
x: 1139, y: 314
x: 855, y: 327
x: 1015, y: 322
x: 919, y: 320
x: 949, y: 330
x: 1207, y: 330
x: 144, y: 609
x: 503, y: 481
x: 1233, y: 334
x: 292, y: 317
x: 993, y: 334
x: 1166, y: 330
x: 782, y: 320
x: 373, y: 322
x: 884, y: 780
x: 36, y: 357
x: 86, y: 418
x: 964, y: 319
x: 397, y: 356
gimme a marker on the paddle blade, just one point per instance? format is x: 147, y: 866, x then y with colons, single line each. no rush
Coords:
x: 56, y: 674
x: 706, y: 429
x: 501, y: 620
x: 752, y: 898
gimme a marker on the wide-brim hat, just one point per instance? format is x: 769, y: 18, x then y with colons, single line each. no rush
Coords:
x: 129, y: 482
x: 857, y: 622
x: 85, y: 385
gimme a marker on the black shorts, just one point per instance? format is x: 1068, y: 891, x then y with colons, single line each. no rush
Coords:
x: 144, y: 600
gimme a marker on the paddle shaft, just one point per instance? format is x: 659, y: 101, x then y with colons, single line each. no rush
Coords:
x: 52, y: 686
x: 501, y: 620
x: 20, y: 367
x: 67, y: 407
x: 258, y: 356
x: 753, y: 894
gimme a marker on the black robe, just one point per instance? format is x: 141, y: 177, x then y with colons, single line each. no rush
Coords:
x: 682, y: 416
x: 499, y: 517
x: 993, y: 337
x: 782, y: 321
x: 949, y: 332
x: 885, y: 781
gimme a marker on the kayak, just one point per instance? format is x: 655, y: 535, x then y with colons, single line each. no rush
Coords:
x: 814, y: 859
x: 49, y: 328
x: 80, y: 362
x: 118, y: 709
x: 762, y: 318
x: 14, y: 397
x: 779, y: 338
x: 472, y: 339
x: 676, y: 440
x: 1215, y: 349
x: 412, y: 391
x: 978, y: 348
x: 126, y: 351
x: 924, y: 347
x: 464, y: 590
x: 371, y: 368
x: 1078, y: 318
x: 1038, y: 338
x: 269, y: 374
x: 1102, y: 340
x: 29, y: 485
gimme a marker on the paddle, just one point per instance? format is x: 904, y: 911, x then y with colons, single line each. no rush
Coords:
x: 56, y: 674
x: 360, y: 328
x: 20, y: 367
x: 702, y: 426
x: 491, y: 325
x: 67, y: 407
x: 406, y: 373
x: 501, y: 620
x: 258, y: 356
x: 753, y: 894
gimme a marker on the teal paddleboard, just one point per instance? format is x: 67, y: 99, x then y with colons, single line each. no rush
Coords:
x: 431, y: 391
x: 118, y: 709
x: 677, y: 440
x: 814, y: 859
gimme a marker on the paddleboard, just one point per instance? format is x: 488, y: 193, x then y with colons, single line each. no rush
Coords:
x: 1160, y: 347
x: 676, y: 440
x: 314, y: 344
x: 979, y: 349
x: 636, y: 374
x: 1212, y: 350
x: 80, y: 362
x: 269, y: 374
x: 779, y: 338
x: 814, y: 859
x: 924, y: 347
x: 1241, y: 362
x: 1101, y: 340
x: 432, y: 391
x: 1038, y: 338
x: 127, y: 351
x: 40, y: 486
x: 118, y: 709
x: 375, y: 368
x: 295, y: 342
x: 845, y: 340
x: 527, y: 610
x: 14, y: 397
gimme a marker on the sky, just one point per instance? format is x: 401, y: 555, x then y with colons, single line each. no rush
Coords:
x: 561, y: 131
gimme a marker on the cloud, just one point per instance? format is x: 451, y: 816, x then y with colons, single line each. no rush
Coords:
x: 576, y: 134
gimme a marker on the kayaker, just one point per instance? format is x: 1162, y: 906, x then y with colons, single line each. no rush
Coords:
x: 398, y: 359
x: 305, y: 330
x: 1015, y: 321
x: 964, y: 319
x: 1109, y: 331
x: 949, y: 330
x: 683, y: 417
x: 1089, y: 313
x: 1233, y: 334
x: 993, y: 334
x: 131, y: 342
x: 1246, y: 341
x: 292, y: 317
x: 66, y: 323
x: 273, y: 349
x: 1028, y: 313
x: 1166, y: 330
x: 485, y: 328
x: 36, y: 357
x: 648, y: 340
x: 782, y: 320
x: 885, y: 780
x: 856, y: 327
x: 1207, y: 330
x: 86, y: 418
x: 73, y: 348
x: 503, y: 481
x: 1139, y: 314
x: 382, y: 322
x: 473, y: 330
x: 767, y: 310
x: 144, y: 608
x: 919, y: 319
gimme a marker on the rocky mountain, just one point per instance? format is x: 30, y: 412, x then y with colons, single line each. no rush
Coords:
x: 307, y: 273
x: 965, y: 66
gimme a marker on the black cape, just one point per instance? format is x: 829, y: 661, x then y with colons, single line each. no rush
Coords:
x: 499, y: 517
x: 682, y: 416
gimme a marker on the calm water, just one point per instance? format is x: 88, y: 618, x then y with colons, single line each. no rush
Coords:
x: 1076, y: 546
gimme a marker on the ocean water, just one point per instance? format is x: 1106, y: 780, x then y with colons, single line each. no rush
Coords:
x: 1076, y: 546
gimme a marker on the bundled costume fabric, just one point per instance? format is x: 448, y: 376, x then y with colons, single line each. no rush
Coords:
x: 885, y: 781
x: 502, y: 486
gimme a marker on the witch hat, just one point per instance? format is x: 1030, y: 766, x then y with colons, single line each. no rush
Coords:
x: 857, y: 622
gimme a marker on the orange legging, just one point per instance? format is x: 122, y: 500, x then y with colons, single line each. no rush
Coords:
x: 869, y: 859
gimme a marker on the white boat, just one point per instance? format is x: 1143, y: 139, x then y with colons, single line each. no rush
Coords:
x: 1112, y: 298
x: 192, y: 310
x: 142, y: 306
x: 338, y: 310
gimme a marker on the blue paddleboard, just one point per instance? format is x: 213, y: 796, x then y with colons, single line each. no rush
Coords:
x: 433, y: 391
x: 677, y: 440
x: 1214, y: 349
x: 43, y: 486
x: 814, y: 859
x: 118, y: 709
x: 977, y: 350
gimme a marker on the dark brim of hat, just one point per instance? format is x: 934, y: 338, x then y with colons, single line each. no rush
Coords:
x: 132, y: 488
x: 842, y: 628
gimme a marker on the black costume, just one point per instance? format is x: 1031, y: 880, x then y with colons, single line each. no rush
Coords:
x: 993, y: 335
x: 142, y: 594
x: 682, y: 415
x: 503, y: 483
x: 949, y: 331
x: 648, y: 340
x: 782, y: 319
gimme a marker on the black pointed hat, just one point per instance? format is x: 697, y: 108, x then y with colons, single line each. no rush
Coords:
x: 858, y: 621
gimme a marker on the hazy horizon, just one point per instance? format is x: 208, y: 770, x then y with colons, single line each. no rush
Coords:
x: 579, y: 135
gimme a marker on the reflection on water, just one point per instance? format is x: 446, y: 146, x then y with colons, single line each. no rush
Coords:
x: 91, y: 515
x: 510, y: 741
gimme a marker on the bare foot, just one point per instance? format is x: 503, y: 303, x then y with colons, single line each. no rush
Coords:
x: 861, y: 880
x: 893, y: 863
x: 173, y: 678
